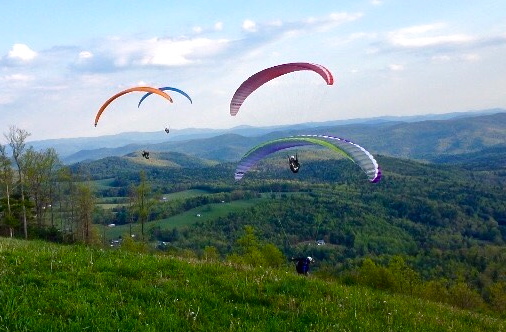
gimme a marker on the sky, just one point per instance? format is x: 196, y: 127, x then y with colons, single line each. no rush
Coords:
x: 60, y: 60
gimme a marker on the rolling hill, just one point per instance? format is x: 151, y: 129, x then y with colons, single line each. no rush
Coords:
x: 422, y: 138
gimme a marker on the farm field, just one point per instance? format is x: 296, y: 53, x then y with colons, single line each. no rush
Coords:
x: 198, y: 214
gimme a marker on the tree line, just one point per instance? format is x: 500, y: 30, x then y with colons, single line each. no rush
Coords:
x: 40, y: 197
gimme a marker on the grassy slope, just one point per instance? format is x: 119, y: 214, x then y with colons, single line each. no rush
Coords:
x: 48, y: 287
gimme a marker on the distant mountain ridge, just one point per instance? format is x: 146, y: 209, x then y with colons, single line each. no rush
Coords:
x: 418, y: 137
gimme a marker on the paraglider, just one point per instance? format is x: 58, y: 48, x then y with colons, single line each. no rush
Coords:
x: 119, y: 94
x: 302, y: 264
x: 264, y: 76
x: 350, y: 150
x: 293, y: 162
x: 167, y: 130
x: 145, y: 154
x: 165, y: 89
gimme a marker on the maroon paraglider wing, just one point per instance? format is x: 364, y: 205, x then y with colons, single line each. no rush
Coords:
x: 264, y: 76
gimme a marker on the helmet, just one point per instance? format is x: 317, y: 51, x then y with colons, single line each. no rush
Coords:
x: 310, y: 259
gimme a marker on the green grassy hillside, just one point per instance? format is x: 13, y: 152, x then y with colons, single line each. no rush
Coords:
x: 49, y: 287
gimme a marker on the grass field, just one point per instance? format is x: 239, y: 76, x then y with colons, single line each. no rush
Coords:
x: 201, y: 213
x: 110, y: 202
x: 102, y: 184
x: 185, y: 194
x: 49, y: 287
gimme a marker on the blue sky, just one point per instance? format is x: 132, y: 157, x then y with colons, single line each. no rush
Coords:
x: 60, y: 60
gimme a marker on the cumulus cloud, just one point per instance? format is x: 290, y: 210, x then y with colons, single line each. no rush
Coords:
x: 199, y: 30
x: 180, y: 52
x: 467, y: 57
x: 441, y: 58
x: 84, y: 55
x: 420, y: 36
x: 21, y: 52
x: 121, y: 53
x: 439, y: 44
x: 396, y: 67
x: 260, y: 34
x: 471, y: 57
x: 342, y: 17
x: 218, y: 26
x: 249, y: 26
x: 17, y: 78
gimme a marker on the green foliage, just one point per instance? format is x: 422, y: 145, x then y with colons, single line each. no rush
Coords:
x: 252, y: 251
x: 211, y: 254
x: 497, y: 295
x: 273, y: 256
x: 130, y: 244
x: 399, y: 278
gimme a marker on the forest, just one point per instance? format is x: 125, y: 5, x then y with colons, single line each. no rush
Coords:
x: 436, y: 230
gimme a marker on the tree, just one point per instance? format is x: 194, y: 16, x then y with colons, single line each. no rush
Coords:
x: 375, y: 276
x: 254, y: 252
x: 464, y: 297
x: 497, y: 294
x: 142, y: 201
x: 272, y: 255
x: 405, y: 278
x: 16, y: 138
x: 66, y: 191
x: 38, y: 168
x: 6, y: 179
x: 211, y: 253
x: 84, y: 210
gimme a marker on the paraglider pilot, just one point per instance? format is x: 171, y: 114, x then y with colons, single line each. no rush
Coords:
x: 145, y: 154
x: 293, y: 161
x: 302, y: 265
x: 167, y: 130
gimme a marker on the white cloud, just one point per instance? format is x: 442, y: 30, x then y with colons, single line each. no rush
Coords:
x: 85, y: 55
x: 17, y: 78
x: 441, y: 58
x: 168, y: 52
x: 344, y: 17
x: 122, y: 53
x: 419, y: 36
x: 117, y: 53
x: 376, y: 2
x: 396, y: 67
x: 218, y: 26
x: 5, y: 99
x: 471, y: 57
x: 22, y: 52
x: 249, y: 25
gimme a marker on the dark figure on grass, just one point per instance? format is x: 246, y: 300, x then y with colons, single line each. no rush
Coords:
x: 302, y: 264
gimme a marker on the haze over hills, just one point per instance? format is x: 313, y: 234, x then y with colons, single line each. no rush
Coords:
x: 418, y: 137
